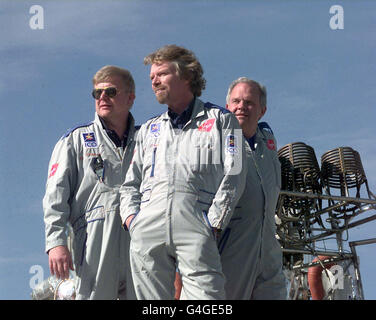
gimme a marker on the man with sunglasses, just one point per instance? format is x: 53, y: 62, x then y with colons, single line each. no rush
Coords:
x: 87, y: 167
x: 182, y: 185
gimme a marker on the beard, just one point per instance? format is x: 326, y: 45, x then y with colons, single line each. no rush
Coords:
x: 162, y: 96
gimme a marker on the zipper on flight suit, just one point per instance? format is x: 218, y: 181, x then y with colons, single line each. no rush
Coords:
x: 153, y: 162
x: 264, y: 194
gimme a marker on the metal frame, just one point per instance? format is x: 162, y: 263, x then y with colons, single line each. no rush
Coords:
x: 309, y: 226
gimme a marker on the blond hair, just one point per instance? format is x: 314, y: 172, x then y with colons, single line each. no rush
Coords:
x: 107, y: 72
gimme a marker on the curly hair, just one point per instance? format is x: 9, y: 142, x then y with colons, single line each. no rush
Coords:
x: 187, y: 65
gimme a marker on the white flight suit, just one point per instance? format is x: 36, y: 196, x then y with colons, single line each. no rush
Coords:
x: 181, y: 184
x: 88, y: 199
x: 250, y: 253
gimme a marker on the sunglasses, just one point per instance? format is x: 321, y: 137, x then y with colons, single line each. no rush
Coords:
x: 108, y: 91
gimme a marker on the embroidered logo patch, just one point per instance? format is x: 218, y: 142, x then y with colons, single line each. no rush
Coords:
x: 207, y: 125
x: 53, y: 170
x: 231, y: 144
x: 89, y: 139
x: 270, y: 144
x: 155, y: 129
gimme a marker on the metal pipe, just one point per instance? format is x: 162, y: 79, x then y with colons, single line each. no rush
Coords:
x: 352, y: 245
x: 357, y: 272
x: 326, y: 197
x: 362, y: 242
x: 321, y: 253
x: 324, y: 262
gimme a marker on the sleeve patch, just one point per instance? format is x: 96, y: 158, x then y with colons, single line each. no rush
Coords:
x: 53, y: 170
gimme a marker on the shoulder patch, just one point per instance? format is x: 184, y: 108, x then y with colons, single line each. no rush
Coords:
x: 265, y: 126
x: 69, y: 131
x: 210, y: 106
x: 271, y: 144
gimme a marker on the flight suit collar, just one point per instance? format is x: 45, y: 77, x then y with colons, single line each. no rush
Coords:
x: 128, y: 133
x: 197, y: 110
x: 179, y: 121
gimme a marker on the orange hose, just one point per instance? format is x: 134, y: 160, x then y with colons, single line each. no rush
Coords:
x: 178, y: 285
x: 315, y: 279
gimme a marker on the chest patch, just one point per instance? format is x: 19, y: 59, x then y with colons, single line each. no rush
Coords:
x: 232, y: 144
x: 207, y: 125
x: 155, y: 129
x: 89, y: 140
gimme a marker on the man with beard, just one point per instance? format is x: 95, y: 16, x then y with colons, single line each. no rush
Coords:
x: 182, y: 185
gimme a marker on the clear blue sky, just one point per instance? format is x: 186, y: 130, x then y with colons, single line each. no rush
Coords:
x: 321, y: 88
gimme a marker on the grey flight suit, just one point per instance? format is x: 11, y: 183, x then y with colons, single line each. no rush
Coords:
x: 181, y: 183
x: 85, y: 172
x: 250, y: 253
